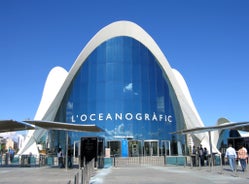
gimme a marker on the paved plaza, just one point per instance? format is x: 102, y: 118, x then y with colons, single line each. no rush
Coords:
x: 125, y: 175
x: 169, y: 174
x: 35, y: 175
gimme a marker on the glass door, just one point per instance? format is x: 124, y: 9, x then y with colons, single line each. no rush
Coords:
x: 151, y: 148
x: 135, y: 148
x: 165, y: 148
x: 115, y: 148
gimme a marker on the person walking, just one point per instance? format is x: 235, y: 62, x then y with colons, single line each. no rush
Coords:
x: 231, y: 156
x: 60, y: 158
x: 242, y: 156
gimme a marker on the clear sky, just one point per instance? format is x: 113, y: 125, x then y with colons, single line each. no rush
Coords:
x: 206, y: 40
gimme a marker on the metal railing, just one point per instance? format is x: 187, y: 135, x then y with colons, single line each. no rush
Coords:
x: 33, y: 161
x: 138, y: 161
x: 23, y: 160
x: 84, y: 174
x: 150, y: 161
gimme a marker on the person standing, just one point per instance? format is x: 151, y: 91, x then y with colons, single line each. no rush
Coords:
x: 201, y: 155
x: 69, y: 157
x: 60, y: 158
x: 231, y: 156
x: 242, y: 156
x: 193, y: 156
x: 205, y: 153
x: 11, y: 153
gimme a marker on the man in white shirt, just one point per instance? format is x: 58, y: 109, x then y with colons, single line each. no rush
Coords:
x: 231, y: 156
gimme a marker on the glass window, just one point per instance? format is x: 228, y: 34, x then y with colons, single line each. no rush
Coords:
x: 122, y: 86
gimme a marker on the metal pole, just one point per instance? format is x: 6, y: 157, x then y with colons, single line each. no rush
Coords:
x: 66, y: 164
x: 210, y: 146
x: 221, y: 164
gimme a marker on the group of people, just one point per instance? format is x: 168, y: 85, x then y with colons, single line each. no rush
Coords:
x: 199, y: 156
x: 231, y: 155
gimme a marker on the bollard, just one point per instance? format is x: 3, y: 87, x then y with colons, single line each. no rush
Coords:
x: 114, y: 160
x: 82, y: 176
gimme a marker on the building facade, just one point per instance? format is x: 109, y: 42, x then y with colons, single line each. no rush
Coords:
x: 121, y: 82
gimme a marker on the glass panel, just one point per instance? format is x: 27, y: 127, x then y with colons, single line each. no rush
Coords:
x: 154, y: 148
x: 115, y: 147
x: 165, y: 148
x: 135, y: 148
x: 122, y: 86
x: 147, y: 149
x: 151, y: 148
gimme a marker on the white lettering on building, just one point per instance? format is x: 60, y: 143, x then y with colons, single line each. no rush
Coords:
x: 122, y: 116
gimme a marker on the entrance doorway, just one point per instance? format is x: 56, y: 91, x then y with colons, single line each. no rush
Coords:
x: 165, y: 148
x: 151, y: 148
x: 92, y: 148
x: 115, y: 148
x: 135, y: 148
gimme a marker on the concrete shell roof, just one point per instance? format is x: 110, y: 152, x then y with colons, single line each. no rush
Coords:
x: 120, y: 28
x: 130, y: 29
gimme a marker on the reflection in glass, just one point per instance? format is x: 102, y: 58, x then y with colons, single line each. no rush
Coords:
x: 122, y: 88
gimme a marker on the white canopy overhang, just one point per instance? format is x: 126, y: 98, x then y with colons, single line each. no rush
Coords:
x: 12, y: 125
x: 231, y: 125
x: 51, y: 125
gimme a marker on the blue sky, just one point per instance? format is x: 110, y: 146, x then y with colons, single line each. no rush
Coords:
x: 206, y: 40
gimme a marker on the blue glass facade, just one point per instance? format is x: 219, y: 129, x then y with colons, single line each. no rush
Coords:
x: 121, y: 88
x: 225, y: 138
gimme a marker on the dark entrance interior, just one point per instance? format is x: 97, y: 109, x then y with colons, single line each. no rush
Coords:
x: 239, y: 141
x: 92, y: 148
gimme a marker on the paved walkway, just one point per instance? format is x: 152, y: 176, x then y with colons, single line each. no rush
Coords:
x: 125, y: 175
x: 170, y: 175
x: 35, y: 175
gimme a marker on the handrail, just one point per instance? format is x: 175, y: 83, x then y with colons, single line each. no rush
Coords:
x: 84, y: 174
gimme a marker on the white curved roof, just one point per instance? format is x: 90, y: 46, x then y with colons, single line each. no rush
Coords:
x: 55, y: 79
x: 130, y: 29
